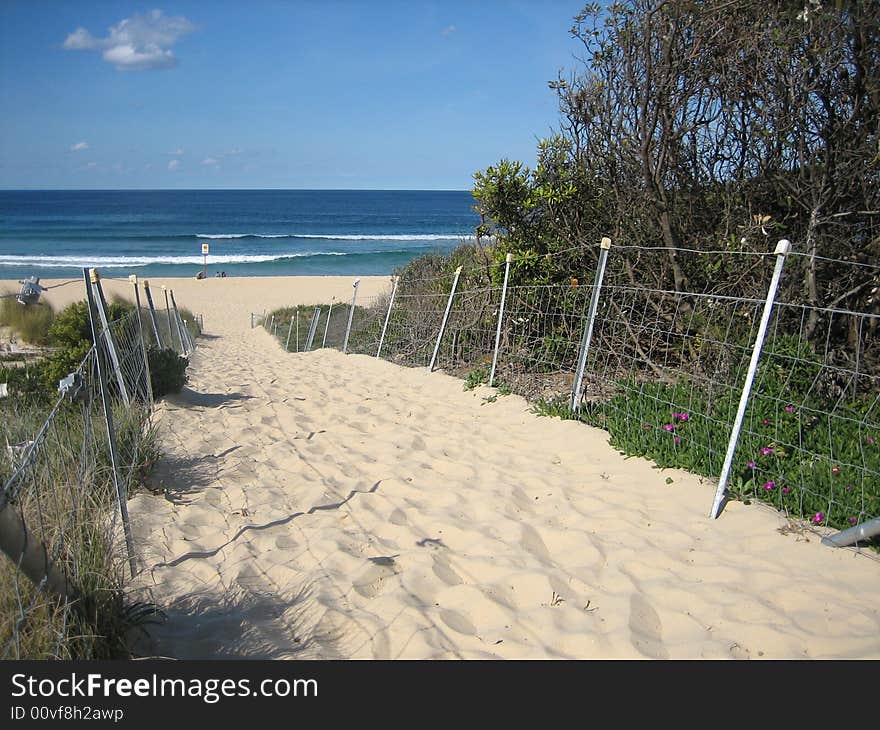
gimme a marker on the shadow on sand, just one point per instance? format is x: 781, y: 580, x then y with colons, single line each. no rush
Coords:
x: 188, y: 398
x: 251, y: 620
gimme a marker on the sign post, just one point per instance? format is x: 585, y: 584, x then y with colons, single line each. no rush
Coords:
x: 204, y: 260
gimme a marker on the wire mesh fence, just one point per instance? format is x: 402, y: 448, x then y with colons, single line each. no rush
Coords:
x: 65, y: 482
x: 666, y: 366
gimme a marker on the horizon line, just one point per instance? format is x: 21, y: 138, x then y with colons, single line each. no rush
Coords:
x: 322, y: 190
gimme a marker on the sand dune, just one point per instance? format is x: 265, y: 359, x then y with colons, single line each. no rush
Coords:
x: 319, y: 505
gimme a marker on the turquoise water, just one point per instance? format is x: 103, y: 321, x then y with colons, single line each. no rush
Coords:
x: 54, y: 234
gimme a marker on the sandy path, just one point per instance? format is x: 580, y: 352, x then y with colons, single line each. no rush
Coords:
x: 321, y: 505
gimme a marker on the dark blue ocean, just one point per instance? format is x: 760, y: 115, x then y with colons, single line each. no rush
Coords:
x: 53, y: 234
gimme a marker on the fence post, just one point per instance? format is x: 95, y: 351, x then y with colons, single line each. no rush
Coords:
x: 387, y: 317
x: 119, y: 486
x: 782, y: 249
x: 152, y: 314
x: 327, y: 326
x: 100, y: 306
x: 137, y: 299
x: 445, y: 318
x: 577, y: 385
x: 181, y: 328
x: 168, y: 314
x: 252, y: 320
x: 312, y: 328
x: 297, y: 330
x: 507, y: 261
x: 356, y: 284
x: 289, y: 330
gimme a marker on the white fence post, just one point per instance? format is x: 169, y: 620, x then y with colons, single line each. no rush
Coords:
x: 312, y: 328
x: 327, y: 326
x: 148, y: 385
x: 92, y: 289
x: 182, y: 331
x: 170, y: 327
x: 289, y: 330
x: 507, y: 261
x: 356, y: 284
x: 577, y: 385
x: 445, y: 318
x: 153, y: 314
x: 101, y: 307
x: 387, y: 317
x: 782, y: 249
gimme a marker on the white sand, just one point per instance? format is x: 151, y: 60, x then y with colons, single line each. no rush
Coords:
x: 323, y: 505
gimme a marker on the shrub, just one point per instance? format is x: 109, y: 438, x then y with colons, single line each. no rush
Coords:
x: 73, y: 327
x: 167, y: 371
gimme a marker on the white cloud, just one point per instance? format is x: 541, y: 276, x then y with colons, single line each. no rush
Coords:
x: 137, y: 43
x: 91, y: 164
x: 177, y: 153
x: 81, y: 40
x: 79, y: 146
x: 210, y: 161
x: 448, y: 31
x: 173, y: 165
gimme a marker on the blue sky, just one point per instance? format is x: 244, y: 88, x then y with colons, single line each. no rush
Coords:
x: 271, y: 94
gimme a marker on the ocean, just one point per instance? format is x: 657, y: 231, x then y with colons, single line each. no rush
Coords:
x: 159, y: 233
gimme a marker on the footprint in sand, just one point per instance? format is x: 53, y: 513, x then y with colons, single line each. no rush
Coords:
x: 458, y: 622
x: 398, y: 517
x: 444, y: 571
x: 645, y: 629
x: 369, y: 583
x: 532, y: 542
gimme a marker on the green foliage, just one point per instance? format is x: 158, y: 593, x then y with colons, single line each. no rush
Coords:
x: 167, y: 371
x: 476, y: 377
x: 30, y: 322
x: 27, y: 383
x: 99, y: 621
x: 72, y: 326
x: 784, y: 455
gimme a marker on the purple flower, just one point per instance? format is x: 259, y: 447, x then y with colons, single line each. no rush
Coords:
x: 869, y: 440
x: 789, y: 409
x: 766, y: 421
x: 818, y: 518
x: 751, y: 464
x: 852, y: 520
x: 681, y: 416
x: 785, y: 490
x: 677, y: 440
x: 769, y: 486
x: 668, y: 427
x: 766, y: 450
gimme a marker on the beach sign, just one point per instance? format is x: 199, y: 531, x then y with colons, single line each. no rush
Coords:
x: 204, y: 260
x: 204, y: 249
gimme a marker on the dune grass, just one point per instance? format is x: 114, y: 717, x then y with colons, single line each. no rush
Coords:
x: 68, y: 501
x: 30, y: 322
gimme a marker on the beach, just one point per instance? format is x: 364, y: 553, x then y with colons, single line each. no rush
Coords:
x: 322, y: 505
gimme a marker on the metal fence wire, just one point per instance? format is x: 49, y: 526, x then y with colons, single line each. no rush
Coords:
x: 65, y: 481
x: 776, y: 397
